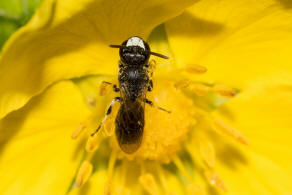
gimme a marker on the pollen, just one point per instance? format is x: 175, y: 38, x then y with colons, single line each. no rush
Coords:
x: 164, y: 132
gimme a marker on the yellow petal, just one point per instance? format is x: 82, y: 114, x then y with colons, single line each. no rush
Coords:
x: 158, y: 43
x: 38, y: 155
x: 68, y: 39
x: 90, y: 88
x: 240, y: 42
x: 245, y: 172
x: 264, y: 116
x: 95, y: 184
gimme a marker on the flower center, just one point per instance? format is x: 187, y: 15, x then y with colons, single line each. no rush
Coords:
x: 163, y: 132
x: 164, y: 135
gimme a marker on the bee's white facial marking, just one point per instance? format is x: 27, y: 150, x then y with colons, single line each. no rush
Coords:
x: 135, y: 41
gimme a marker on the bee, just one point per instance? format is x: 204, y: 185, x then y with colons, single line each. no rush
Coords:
x: 135, y: 80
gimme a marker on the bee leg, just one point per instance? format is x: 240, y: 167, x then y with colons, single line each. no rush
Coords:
x: 104, y: 85
x: 115, y: 88
x: 109, y: 110
x: 150, y: 86
x: 152, y: 105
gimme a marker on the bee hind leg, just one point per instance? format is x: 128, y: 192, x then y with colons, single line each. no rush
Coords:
x: 109, y: 110
x: 152, y: 105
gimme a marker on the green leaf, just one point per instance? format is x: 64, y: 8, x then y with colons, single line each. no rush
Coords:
x: 13, y: 15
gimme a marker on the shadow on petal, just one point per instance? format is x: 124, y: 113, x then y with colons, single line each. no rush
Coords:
x: 8, y: 134
x: 231, y: 156
x: 196, y: 26
x: 287, y: 4
x: 229, y: 153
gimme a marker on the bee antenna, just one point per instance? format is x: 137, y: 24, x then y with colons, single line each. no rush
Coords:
x: 152, y: 53
x: 117, y: 46
x: 158, y: 55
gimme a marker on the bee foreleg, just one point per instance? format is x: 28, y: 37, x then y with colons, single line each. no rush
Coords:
x: 152, y: 105
x: 109, y: 110
x: 115, y: 88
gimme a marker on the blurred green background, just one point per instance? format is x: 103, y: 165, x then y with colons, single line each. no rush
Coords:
x: 13, y: 15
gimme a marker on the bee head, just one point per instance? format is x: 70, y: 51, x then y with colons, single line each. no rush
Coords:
x: 135, y: 51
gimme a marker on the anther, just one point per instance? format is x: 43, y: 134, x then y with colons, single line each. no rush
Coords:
x: 104, y: 87
x: 85, y: 125
x: 224, y: 90
x: 231, y: 132
x: 194, y: 68
x: 197, y: 88
x: 93, y: 142
x: 182, y: 83
x: 207, y: 152
x: 148, y: 182
x: 84, y: 173
x: 91, y: 102
x: 214, y: 180
x: 78, y: 131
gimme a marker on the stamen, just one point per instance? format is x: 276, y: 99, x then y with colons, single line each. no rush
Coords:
x: 207, y: 152
x: 224, y: 91
x: 183, y: 83
x: 195, y: 188
x: 86, y: 124
x: 93, y: 142
x: 197, y: 88
x: 84, y: 173
x: 148, y: 182
x: 91, y: 102
x: 111, y: 164
x: 214, y: 179
x: 181, y: 168
x: 162, y: 179
x: 120, y: 190
x: 124, y: 172
x: 220, y: 126
x: 194, y: 68
x: 108, y: 188
x: 78, y: 131
x: 104, y: 88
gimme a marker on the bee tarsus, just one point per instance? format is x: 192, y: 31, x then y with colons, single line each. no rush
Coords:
x: 152, y: 104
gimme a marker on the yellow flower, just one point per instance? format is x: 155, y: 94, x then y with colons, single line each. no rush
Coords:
x: 229, y: 130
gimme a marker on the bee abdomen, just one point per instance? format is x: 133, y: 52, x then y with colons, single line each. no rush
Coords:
x: 130, y: 126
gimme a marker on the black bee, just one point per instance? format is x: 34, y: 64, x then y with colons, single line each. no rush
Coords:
x: 134, y: 81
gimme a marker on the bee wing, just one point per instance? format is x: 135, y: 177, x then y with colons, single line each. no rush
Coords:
x: 130, y: 125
